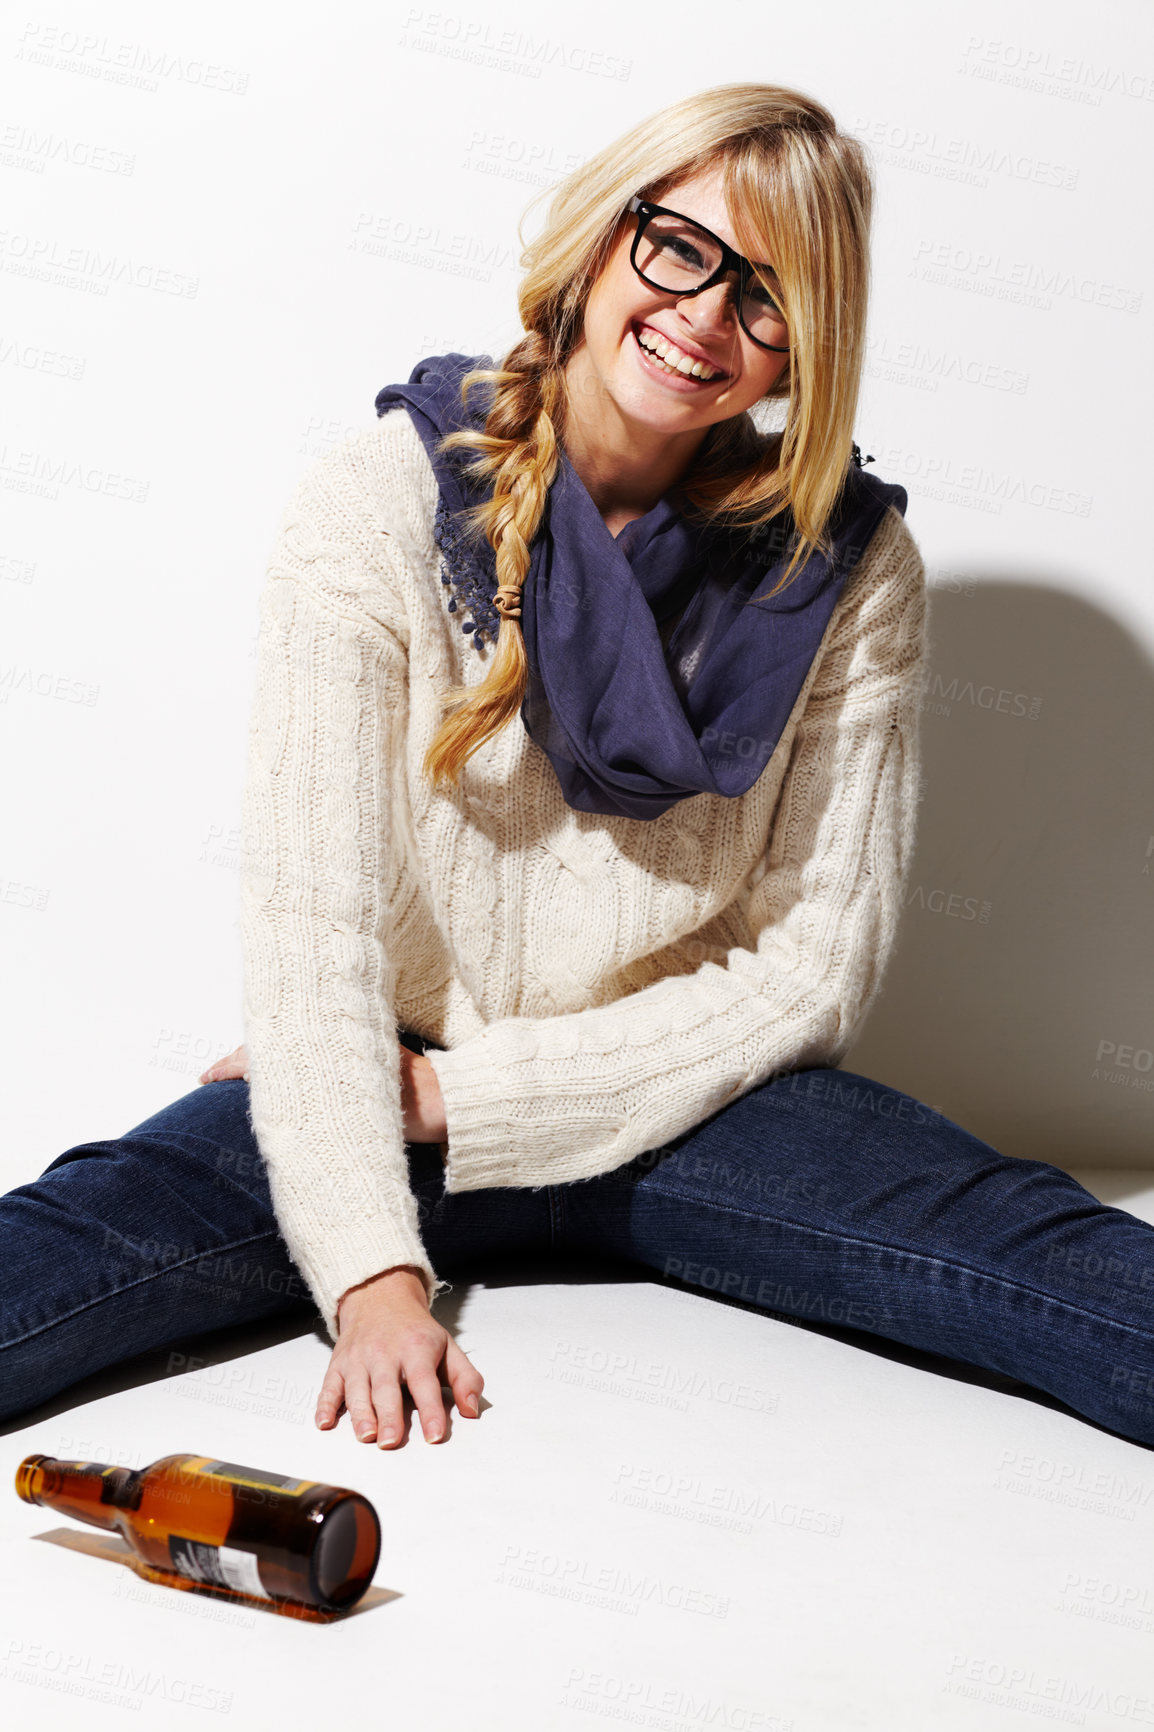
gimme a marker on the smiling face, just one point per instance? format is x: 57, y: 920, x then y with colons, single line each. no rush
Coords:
x: 625, y: 318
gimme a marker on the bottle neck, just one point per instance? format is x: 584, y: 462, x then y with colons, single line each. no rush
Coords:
x: 89, y: 1491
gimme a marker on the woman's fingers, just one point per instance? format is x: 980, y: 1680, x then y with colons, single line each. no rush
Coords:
x: 236, y: 1064
x: 389, y: 1402
x: 425, y: 1388
x: 359, y: 1401
x: 389, y: 1343
x: 464, y: 1379
x: 376, y: 1404
x: 330, y: 1398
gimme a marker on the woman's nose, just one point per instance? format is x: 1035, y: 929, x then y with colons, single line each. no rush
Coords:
x: 713, y: 307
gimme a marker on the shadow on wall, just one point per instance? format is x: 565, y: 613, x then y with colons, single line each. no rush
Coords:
x: 1020, y: 999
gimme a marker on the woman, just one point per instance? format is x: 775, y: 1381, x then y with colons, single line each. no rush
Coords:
x: 557, y: 925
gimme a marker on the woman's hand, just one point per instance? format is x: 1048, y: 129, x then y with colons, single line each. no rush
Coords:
x: 421, y: 1103
x: 389, y: 1341
x: 236, y: 1064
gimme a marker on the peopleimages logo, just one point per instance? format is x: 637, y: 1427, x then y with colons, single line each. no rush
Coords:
x: 118, y: 62
x: 939, y: 696
x: 924, y: 151
x: 118, y: 1683
x: 510, y: 50
x: 926, y: 366
x: 650, y: 1702
x: 1017, y: 280
x: 1100, y: 1492
x: 1030, y: 67
x: 689, y: 1497
x: 1108, y: 1602
x: 610, y: 1587
x: 1047, y: 1695
x: 974, y: 483
x: 615, y: 1371
x: 29, y: 147
x: 35, y: 255
x: 949, y: 902
x: 45, y: 473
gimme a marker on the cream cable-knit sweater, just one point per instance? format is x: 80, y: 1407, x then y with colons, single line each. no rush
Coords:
x: 600, y: 983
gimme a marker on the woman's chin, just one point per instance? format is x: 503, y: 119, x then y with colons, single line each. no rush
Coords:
x: 650, y: 405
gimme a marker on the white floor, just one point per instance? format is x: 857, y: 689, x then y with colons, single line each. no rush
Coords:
x: 676, y: 1513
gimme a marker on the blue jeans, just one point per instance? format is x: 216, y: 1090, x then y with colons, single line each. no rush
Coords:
x: 819, y: 1195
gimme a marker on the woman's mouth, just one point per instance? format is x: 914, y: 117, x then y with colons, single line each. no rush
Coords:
x: 672, y: 364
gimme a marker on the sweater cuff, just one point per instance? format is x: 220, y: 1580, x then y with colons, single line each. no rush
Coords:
x: 477, y: 1123
x: 361, y: 1248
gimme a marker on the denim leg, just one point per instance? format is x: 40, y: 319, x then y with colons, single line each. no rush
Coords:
x: 134, y: 1243
x: 821, y: 1194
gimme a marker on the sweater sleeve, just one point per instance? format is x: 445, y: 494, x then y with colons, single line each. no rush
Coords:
x: 546, y: 1100
x: 316, y: 869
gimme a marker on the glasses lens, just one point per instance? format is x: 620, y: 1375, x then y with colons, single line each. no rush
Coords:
x: 676, y: 255
x: 763, y: 315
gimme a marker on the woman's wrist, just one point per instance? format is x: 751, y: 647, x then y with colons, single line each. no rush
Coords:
x: 406, y: 1281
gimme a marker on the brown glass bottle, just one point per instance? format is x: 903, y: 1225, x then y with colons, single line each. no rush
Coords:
x: 301, y: 1547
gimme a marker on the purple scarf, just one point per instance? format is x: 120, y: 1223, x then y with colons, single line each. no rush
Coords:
x: 630, y: 725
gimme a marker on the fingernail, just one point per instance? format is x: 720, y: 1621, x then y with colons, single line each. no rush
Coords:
x: 389, y: 1437
x: 433, y: 1436
x: 364, y: 1432
x: 475, y: 1403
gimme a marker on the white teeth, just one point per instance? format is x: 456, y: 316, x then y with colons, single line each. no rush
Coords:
x: 673, y: 358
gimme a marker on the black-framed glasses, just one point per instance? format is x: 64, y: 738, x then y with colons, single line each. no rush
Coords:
x: 673, y: 253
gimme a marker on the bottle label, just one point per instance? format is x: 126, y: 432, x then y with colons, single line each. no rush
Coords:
x: 220, y: 1566
x: 256, y: 1476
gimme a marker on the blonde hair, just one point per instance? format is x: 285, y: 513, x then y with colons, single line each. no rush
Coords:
x: 799, y: 193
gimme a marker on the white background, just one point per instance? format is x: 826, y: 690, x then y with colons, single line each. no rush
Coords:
x: 338, y: 196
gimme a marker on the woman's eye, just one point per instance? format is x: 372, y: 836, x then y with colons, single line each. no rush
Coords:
x: 683, y: 250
